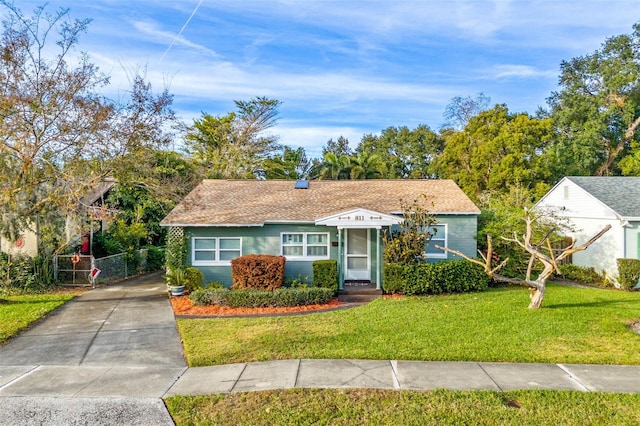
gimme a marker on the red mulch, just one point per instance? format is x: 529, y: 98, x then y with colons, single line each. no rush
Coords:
x: 183, y: 306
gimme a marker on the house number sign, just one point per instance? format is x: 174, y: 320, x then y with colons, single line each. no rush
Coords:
x: 359, y: 218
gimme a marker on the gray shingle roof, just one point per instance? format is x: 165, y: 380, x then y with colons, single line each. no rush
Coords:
x: 620, y: 193
x: 254, y: 202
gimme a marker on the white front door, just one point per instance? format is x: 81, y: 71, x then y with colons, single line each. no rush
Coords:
x: 357, y: 255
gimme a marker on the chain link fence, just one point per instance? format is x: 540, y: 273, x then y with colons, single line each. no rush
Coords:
x: 86, y: 270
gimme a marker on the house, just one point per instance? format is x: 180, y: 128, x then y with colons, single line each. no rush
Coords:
x: 311, y: 220
x: 79, y: 224
x: 589, y: 204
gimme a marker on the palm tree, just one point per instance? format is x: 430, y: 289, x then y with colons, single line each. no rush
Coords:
x: 335, y: 167
x: 367, y: 166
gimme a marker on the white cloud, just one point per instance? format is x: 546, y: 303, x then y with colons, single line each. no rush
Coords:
x: 520, y: 71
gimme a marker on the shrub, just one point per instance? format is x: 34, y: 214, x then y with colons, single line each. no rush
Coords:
x: 297, y: 282
x: 214, y: 285
x: 24, y: 273
x: 155, y: 258
x: 257, y: 272
x: 282, y: 297
x: 207, y: 296
x: 393, y: 278
x: 452, y: 276
x: 583, y: 274
x: 628, y: 273
x: 193, y: 278
x: 325, y: 274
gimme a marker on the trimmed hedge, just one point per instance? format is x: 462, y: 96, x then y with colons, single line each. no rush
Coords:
x: 583, y: 274
x: 283, y: 297
x: 452, y: 276
x: 325, y: 274
x: 257, y: 272
x: 628, y: 273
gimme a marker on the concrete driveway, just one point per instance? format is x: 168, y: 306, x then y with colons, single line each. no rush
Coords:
x: 105, y: 357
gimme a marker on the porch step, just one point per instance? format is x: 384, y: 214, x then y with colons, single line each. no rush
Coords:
x: 359, y: 295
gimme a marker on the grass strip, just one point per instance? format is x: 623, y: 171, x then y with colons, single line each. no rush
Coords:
x: 17, y: 312
x: 389, y: 407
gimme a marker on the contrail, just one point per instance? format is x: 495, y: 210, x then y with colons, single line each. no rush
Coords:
x: 181, y: 30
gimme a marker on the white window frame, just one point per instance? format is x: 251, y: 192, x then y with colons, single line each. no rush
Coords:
x: 216, y: 251
x: 445, y: 239
x: 305, y: 244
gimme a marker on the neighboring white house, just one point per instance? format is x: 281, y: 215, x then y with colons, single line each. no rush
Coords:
x: 592, y: 202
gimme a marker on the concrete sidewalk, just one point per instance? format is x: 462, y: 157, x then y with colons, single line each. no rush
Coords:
x: 110, y: 355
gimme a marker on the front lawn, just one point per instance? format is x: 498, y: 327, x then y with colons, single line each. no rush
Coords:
x: 17, y: 312
x: 575, y: 325
x: 388, y: 407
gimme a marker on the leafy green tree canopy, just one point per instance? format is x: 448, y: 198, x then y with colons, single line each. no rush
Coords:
x: 597, y: 110
x: 234, y: 145
x: 406, y: 153
x: 495, y: 151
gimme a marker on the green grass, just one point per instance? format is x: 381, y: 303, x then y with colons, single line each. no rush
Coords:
x: 575, y: 325
x: 388, y: 407
x: 17, y: 312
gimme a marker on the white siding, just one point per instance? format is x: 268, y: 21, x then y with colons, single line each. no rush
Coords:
x: 572, y: 201
x: 603, y: 253
x: 587, y: 215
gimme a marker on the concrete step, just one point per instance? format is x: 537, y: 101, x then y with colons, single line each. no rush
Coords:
x: 358, y: 295
x: 358, y: 298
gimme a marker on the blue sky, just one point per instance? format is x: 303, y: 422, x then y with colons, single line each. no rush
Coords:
x: 344, y: 67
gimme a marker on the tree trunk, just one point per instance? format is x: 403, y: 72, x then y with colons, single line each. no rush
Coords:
x: 537, y: 294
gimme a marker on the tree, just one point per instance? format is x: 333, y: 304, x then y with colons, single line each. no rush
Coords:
x: 406, y: 153
x: 49, y: 116
x: 367, y: 166
x: 335, y: 167
x: 163, y: 179
x: 549, y: 260
x: 338, y: 147
x: 407, y: 244
x: 597, y: 110
x: 291, y: 164
x: 461, y: 110
x: 58, y: 137
x: 496, y: 150
x: 234, y: 145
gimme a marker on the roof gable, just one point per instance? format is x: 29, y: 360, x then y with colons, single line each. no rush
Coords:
x: 359, y: 218
x: 620, y: 193
x: 255, y: 202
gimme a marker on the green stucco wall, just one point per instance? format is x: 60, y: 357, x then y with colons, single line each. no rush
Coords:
x: 265, y: 239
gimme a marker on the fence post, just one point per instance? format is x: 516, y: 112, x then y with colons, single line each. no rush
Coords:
x: 55, y: 268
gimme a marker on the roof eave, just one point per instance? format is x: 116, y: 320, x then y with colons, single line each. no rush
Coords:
x: 218, y: 225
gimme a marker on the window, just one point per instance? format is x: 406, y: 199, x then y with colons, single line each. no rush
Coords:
x: 439, y: 238
x: 305, y: 245
x: 207, y: 251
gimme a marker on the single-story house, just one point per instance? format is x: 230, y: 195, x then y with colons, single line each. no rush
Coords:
x: 311, y: 220
x: 590, y: 203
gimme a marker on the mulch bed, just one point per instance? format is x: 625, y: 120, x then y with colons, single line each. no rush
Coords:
x: 182, y: 306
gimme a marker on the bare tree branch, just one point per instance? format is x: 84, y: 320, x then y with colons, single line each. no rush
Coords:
x: 550, y: 262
